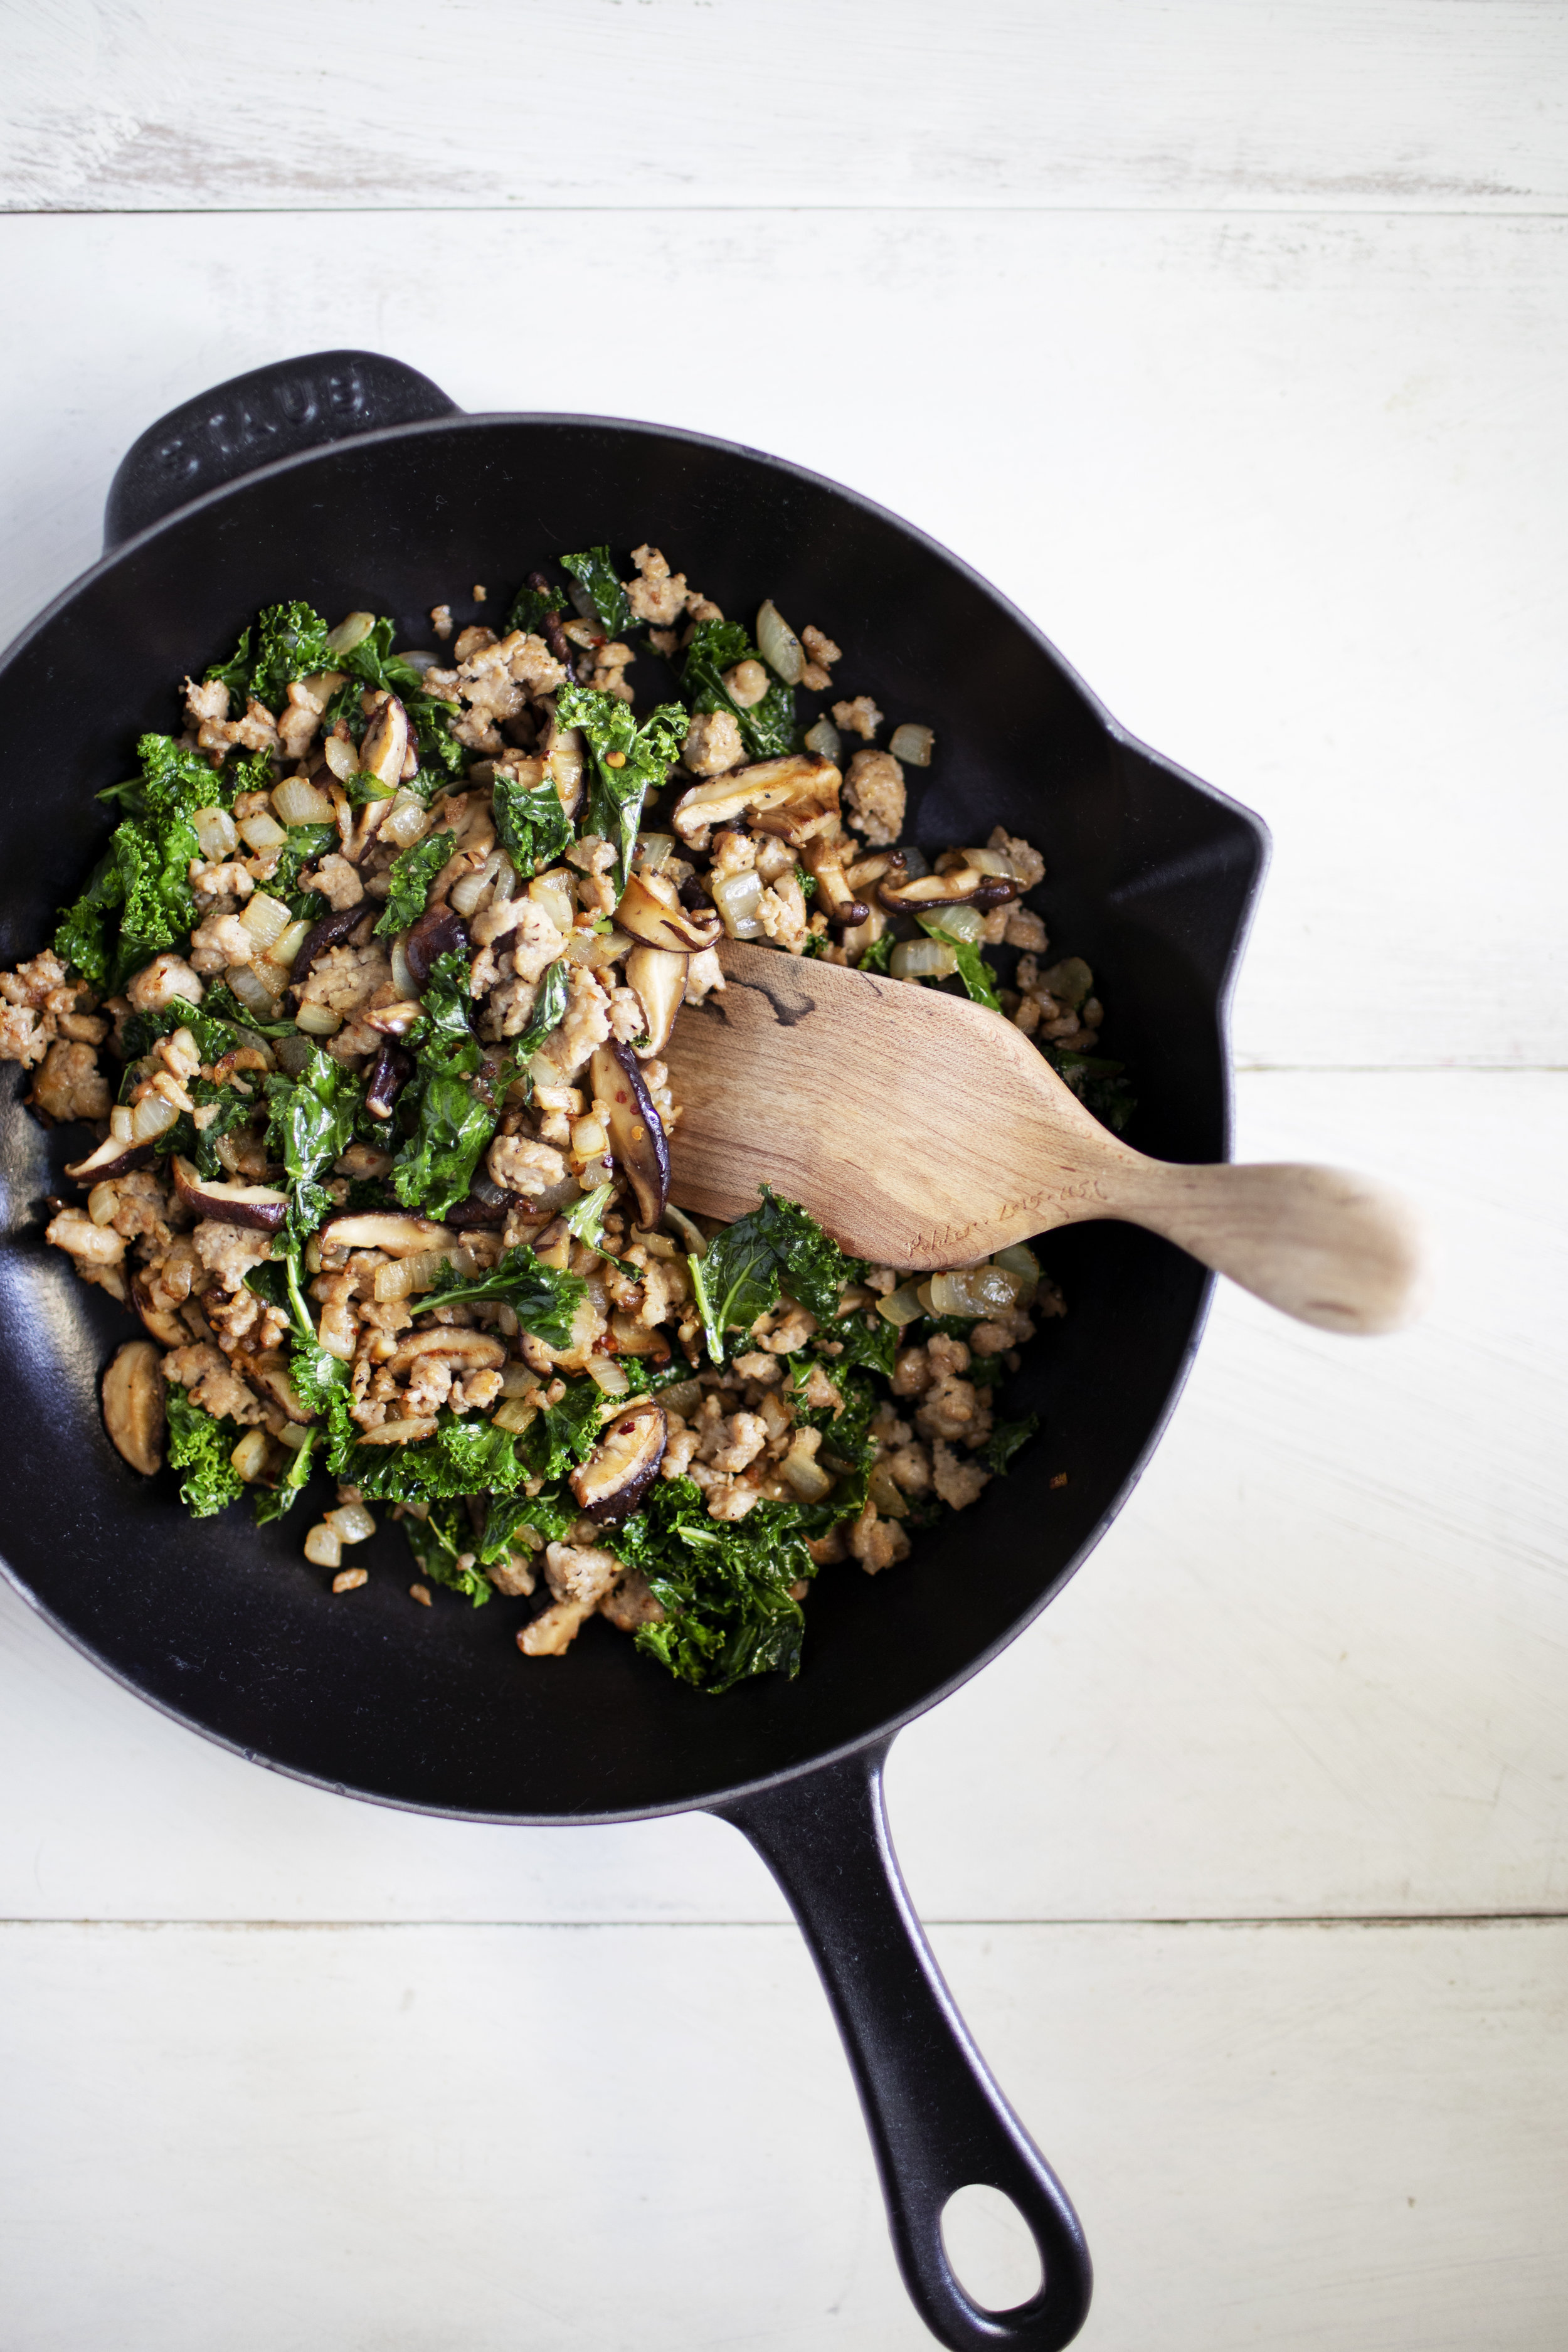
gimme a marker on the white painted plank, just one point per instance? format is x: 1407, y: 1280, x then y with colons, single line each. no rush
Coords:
x: 1109, y: 103
x: 1315, y: 1667
x: 1290, y: 493
x: 643, y: 2138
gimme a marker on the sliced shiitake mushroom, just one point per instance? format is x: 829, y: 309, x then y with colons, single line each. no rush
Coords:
x: 658, y: 979
x: 766, y: 785
x: 133, y: 1405
x: 109, y: 1158
x: 836, y: 900
x: 650, y: 909
x: 389, y: 1074
x: 963, y: 888
x: 257, y: 1205
x: 161, y: 1321
x: 624, y: 1464
x: 439, y: 931
x: 385, y: 743
x: 467, y: 1350
x: 327, y: 933
x: 271, y: 1371
x: 399, y: 1236
x: 636, y: 1136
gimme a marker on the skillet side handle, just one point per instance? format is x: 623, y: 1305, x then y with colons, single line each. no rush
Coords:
x: 936, y: 2116
x: 273, y: 412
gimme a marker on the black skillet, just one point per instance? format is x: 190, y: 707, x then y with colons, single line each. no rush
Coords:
x: 349, y: 479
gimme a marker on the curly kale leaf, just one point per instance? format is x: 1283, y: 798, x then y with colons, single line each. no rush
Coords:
x: 305, y: 844
x: 372, y: 663
x: 311, y: 1121
x: 291, y: 643
x: 318, y: 1380
x: 214, y: 1038
x: 276, y: 1502
x: 534, y: 828
x: 200, y: 1445
x: 629, y: 761
x: 724, y: 1585
x: 199, y: 1144
x: 777, y: 1246
x: 452, y: 1124
x: 438, y: 1544
x: 875, y: 956
x: 462, y: 1458
x: 137, y: 902
x: 767, y: 728
x: 979, y: 980
x: 1004, y: 1441
x: 557, y: 1439
x: 530, y: 605
x: 593, y: 570
x: 221, y: 1002
x: 543, y: 1300
x: 176, y: 780
x: 845, y: 1426
x: 1097, y: 1084
x: 866, y: 1340
x: 412, y: 871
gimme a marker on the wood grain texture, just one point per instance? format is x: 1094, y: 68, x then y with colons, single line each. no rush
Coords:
x: 726, y: 102
x: 1315, y: 1667
x: 645, y: 2139
x: 1285, y: 491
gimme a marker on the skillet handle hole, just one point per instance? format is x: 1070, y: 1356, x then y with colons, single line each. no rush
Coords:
x: 991, y: 2247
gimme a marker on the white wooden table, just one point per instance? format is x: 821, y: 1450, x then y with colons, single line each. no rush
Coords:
x: 1230, y: 342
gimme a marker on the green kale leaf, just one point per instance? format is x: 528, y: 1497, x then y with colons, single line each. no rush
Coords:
x: 979, y: 980
x: 462, y: 1458
x: 305, y: 844
x: 372, y: 663
x: 564, y: 1434
x: 199, y: 1144
x: 543, y: 1300
x: 875, y: 956
x: 1004, y: 1441
x: 412, y: 871
x: 866, y: 1339
x: 534, y: 828
x: 276, y: 1502
x: 452, y: 1124
x: 291, y: 644
x: 439, y: 1541
x: 724, y: 1585
x: 1098, y: 1084
x: 530, y: 605
x: 200, y: 1445
x: 596, y: 572
x: 629, y: 761
x: 310, y: 1122
x: 776, y: 1245
x: 767, y: 728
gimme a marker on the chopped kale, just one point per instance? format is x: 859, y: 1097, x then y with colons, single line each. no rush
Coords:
x: 199, y: 1144
x: 776, y: 1245
x: 979, y: 980
x: 305, y: 844
x: 585, y: 1219
x: 530, y: 605
x: 724, y: 1585
x: 1004, y: 1441
x: 767, y: 728
x: 310, y: 1122
x: 629, y: 761
x: 462, y: 1458
x: 543, y: 1300
x: 412, y: 871
x: 452, y: 1124
x: 276, y: 1502
x: 200, y: 1445
x: 564, y: 1434
x: 143, y: 1029
x: 596, y: 572
x: 291, y: 643
x: 372, y: 663
x: 1098, y: 1084
x: 866, y: 1339
x: 222, y: 1003
x: 440, y: 1542
x: 534, y: 828
x: 875, y: 956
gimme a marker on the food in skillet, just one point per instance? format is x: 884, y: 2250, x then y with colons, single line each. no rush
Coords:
x: 383, y: 954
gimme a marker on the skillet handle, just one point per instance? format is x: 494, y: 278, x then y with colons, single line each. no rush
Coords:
x: 273, y: 411
x: 936, y: 2118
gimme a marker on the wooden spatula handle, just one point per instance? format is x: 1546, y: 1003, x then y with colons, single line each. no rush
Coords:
x: 1326, y: 1246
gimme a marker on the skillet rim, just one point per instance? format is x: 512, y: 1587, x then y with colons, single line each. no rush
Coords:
x: 881, y: 1734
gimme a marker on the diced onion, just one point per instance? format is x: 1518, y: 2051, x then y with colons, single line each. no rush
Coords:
x: 778, y: 644
x: 266, y: 918
x: 353, y: 1522
x: 682, y: 1397
x: 151, y: 1116
x: 318, y: 1020
x: 405, y: 823
x: 471, y: 887
x: 974, y: 1290
x: 252, y: 990
x: 912, y: 744
x: 805, y: 1476
x: 552, y: 891
x: 653, y: 850
x: 583, y: 602
x: 288, y: 944
x: 901, y: 1305
x: 351, y: 631
x: 418, y: 1271
x: 299, y: 803
x: 420, y: 661
x: 323, y: 1547
x: 990, y: 861
x: 608, y: 1375
x: 249, y: 1456
x: 737, y: 897
x: 825, y: 739
x: 214, y: 831
x: 632, y: 1337
x: 885, y: 1492
x: 1019, y: 1258
x: 516, y: 1416
x: 922, y: 960
x: 958, y: 923
x: 597, y: 949
x: 262, y: 833
x: 403, y: 980
x: 916, y: 862
x: 341, y: 757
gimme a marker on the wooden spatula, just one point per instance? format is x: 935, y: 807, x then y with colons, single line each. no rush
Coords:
x: 924, y: 1131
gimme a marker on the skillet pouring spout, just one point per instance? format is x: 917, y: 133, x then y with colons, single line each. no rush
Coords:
x: 936, y: 2118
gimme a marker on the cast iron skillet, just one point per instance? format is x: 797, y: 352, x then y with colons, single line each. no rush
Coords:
x: 349, y: 479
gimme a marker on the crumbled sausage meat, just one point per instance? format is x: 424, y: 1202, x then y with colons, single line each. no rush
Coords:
x: 874, y: 797
x: 860, y: 717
